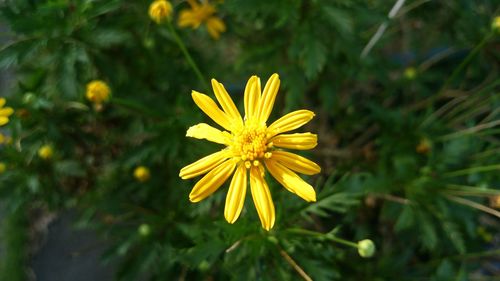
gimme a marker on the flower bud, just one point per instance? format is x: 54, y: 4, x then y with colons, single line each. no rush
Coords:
x: 495, y: 25
x: 410, y: 73
x: 97, y: 92
x: 366, y: 248
x: 142, y: 174
x: 144, y: 229
x: 45, y: 152
x: 160, y: 10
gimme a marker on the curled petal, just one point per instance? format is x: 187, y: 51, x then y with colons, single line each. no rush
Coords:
x: 291, y: 180
x: 205, y: 131
x: 291, y: 121
x: 204, y: 165
x: 296, y: 162
x: 300, y: 141
x: 211, y: 181
x: 262, y: 198
x: 268, y: 97
x: 252, y: 97
x: 207, y: 105
x: 226, y: 102
x: 236, y: 195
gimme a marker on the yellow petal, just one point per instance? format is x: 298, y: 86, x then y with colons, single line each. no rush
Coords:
x: 252, y: 97
x: 215, y: 27
x: 3, y: 120
x: 236, y: 195
x: 204, y: 165
x: 211, y: 181
x: 7, y: 111
x: 268, y: 97
x: 291, y: 121
x: 207, y: 105
x: 205, y: 131
x: 188, y: 19
x: 226, y: 102
x: 296, y: 162
x: 2, y: 102
x: 262, y: 198
x: 291, y: 180
x: 300, y: 141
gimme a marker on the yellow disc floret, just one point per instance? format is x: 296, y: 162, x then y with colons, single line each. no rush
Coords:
x: 250, y: 143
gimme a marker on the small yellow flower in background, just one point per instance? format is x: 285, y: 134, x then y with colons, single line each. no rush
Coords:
x: 5, y: 139
x: 3, y: 167
x: 160, y: 10
x: 495, y: 201
x: 251, y: 145
x: 5, y: 112
x: 142, y: 174
x: 202, y: 13
x: 495, y: 25
x: 410, y: 73
x: 45, y: 152
x: 366, y: 248
x: 424, y: 146
x: 98, y: 91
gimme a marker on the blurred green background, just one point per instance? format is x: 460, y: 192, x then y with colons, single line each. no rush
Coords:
x: 407, y: 128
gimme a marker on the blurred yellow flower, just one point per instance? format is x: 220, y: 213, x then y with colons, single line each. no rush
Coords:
x: 3, y: 167
x: 160, y: 10
x: 5, y: 139
x: 496, y: 24
x: 142, y: 174
x: 5, y: 112
x: 45, y: 152
x: 250, y: 145
x: 202, y: 13
x: 410, y: 73
x: 98, y: 91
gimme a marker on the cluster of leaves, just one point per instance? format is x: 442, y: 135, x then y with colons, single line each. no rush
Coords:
x: 407, y: 159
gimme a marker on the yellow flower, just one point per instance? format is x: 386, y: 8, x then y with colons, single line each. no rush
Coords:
x: 202, y: 13
x: 496, y: 24
x: 410, y: 73
x: 142, y: 174
x: 45, y: 152
x: 3, y: 167
x: 5, y: 112
x: 160, y: 10
x: 251, y: 145
x: 97, y: 91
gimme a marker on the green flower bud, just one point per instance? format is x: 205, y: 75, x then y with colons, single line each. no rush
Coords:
x: 366, y: 248
x: 144, y: 229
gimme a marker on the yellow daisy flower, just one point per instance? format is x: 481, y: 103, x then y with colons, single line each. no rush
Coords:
x: 5, y: 112
x: 160, y: 10
x: 202, y: 13
x: 98, y: 91
x: 251, y: 145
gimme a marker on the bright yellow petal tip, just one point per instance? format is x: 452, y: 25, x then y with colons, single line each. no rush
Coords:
x: 251, y: 147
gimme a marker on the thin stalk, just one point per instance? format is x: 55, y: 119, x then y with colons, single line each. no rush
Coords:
x: 474, y: 205
x: 188, y: 57
x: 472, y: 170
x: 294, y: 264
x: 323, y: 235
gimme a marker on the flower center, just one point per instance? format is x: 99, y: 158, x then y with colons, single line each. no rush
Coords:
x: 250, y: 143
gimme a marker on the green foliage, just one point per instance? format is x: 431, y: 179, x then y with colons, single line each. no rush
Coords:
x: 410, y: 162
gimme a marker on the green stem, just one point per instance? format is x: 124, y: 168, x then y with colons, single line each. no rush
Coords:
x: 465, y: 62
x: 322, y: 235
x: 472, y: 170
x: 135, y: 106
x: 189, y: 59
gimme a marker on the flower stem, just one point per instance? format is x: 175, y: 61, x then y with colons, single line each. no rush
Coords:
x: 189, y: 59
x: 323, y: 235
